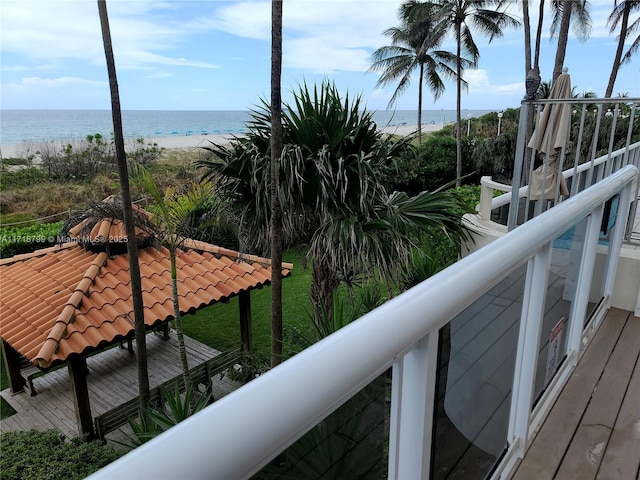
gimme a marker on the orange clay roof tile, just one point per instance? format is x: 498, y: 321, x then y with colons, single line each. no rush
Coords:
x: 66, y: 300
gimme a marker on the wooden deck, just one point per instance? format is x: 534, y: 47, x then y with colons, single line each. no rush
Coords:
x: 593, y: 430
x: 112, y: 380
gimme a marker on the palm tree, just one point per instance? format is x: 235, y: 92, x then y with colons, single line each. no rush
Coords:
x: 563, y: 11
x: 528, y: 66
x: 173, y: 220
x: 276, y: 209
x: 462, y: 16
x: 620, y: 16
x: 125, y: 192
x: 333, y: 197
x: 412, y: 46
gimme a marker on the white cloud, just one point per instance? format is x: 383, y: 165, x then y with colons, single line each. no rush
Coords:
x: 319, y: 36
x: 62, y: 30
x: 480, y: 84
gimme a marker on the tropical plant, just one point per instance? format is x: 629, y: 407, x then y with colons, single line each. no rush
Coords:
x: 125, y: 191
x: 462, y: 16
x: 331, y: 192
x: 620, y: 15
x: 563, y: 11
x: 413, y: 46
x: 174, y: 220
x: 177, y: 407
x: 275, y: 158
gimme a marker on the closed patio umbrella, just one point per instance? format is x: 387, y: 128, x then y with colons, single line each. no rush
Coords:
x: 549, y: 138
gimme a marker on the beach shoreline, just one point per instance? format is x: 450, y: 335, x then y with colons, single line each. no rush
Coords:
x: 189, y: 142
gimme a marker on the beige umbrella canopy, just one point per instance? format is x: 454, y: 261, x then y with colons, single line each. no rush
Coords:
x: 549, y: 138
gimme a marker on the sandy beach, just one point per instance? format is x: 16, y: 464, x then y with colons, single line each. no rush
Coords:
x: 196, y: 141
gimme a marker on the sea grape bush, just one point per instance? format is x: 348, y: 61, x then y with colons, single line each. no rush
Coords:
x: 94, y: 155
x: 49, y: 456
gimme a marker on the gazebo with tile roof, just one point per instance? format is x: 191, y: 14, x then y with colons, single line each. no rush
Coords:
x: 60, y: 304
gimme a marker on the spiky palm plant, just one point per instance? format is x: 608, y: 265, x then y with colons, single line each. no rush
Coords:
x: 331, y: 190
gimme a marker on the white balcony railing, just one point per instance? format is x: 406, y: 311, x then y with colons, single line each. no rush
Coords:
x: 239, y: 434
x: 578, y: 161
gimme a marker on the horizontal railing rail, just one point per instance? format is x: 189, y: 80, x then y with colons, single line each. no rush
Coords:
x: 242, y: 432
x: 588, y: 126
x: 492, y: 202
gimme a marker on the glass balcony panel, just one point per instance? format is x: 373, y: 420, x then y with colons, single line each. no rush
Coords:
x: 477, y: 361
x: 566, y: 256
x: 352, y: 442
x: 610, y: 217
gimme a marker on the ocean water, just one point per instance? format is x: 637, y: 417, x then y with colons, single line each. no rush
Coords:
x: 32, y: 126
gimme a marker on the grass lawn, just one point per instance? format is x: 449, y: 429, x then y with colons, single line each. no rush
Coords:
x: 219, y: 325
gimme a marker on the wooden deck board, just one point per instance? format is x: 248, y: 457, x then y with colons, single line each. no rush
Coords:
x: 588, y: 446
x: 112, y: 380
x: 552, y: 454
x: 624, y: 444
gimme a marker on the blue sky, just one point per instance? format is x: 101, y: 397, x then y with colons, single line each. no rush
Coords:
x: 215, y: 55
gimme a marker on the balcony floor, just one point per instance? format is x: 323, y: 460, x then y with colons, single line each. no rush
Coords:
x: 593, y: 430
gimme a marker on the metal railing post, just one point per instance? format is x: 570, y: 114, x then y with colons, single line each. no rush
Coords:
x: 412, y: 405
x: 517, y: 164
x: 615, y: 241
x: 528, y: 342
x: 583, y: 285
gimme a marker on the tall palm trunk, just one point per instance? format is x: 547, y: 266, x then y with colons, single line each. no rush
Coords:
x: 276, y: 157
x: 526, y: 22
x: 524, y: 180
x: 563, y: 36
x: 182, y: 350
x: 458, y: 104
x: 536, y: 55
x: 324, y: 282
x: 616, y: 61
x: 420, y: 103
x: 125, y: 192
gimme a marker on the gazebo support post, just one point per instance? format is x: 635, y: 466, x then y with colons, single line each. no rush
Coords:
x: 12, y: 361
x: 246, y: 335
x: 78, y: 376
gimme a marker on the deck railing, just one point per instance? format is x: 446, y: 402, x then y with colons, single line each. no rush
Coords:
x: 599, y: 141
x: 244, y: 431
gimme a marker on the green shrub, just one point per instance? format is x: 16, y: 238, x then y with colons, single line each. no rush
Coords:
x: 430, y: 165
x: 22, y: 177
x: 16, y: 240
x: 47, y: 456
x: 94, y: 155
x: 15, y: 161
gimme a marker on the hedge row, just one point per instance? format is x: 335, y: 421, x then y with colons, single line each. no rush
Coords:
x: 16, y: 240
